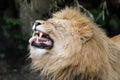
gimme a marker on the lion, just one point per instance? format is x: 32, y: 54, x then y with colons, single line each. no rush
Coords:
x: 70, y: 46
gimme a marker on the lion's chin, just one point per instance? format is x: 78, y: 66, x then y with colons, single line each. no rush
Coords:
x: 37, y: 51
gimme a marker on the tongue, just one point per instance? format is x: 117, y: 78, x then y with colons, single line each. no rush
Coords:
x: 32, y: 39
x: 37, y: 39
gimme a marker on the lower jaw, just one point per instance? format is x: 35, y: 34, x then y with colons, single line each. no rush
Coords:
x: 37, y: 51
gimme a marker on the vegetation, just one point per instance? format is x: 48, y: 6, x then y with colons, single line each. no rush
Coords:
x: 14, y: 43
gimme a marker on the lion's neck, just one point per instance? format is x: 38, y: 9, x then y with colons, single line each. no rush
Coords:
x: 69, y: 73
x: 81, y: 76
x: 86, y: 77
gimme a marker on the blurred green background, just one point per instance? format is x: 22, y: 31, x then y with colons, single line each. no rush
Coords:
x: 17, y: 17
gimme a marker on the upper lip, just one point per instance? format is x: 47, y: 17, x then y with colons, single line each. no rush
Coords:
x: 41, y: 34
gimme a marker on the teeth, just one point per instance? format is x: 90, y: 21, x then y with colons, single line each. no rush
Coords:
x: 40, y: 34
x: 46, y: 42
x: 34, y: 33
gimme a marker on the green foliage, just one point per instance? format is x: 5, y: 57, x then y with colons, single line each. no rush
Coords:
x: 14, y: 42
x: 114, y: 22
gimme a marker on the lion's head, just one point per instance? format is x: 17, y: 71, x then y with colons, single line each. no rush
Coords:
x: 69, y: 46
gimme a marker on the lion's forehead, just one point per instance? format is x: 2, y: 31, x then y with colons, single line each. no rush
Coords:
x: 60, y: 23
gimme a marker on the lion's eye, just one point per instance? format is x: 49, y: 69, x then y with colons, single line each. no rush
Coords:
x: 81, y: 38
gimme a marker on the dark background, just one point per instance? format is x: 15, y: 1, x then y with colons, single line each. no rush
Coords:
x: 17, y: 16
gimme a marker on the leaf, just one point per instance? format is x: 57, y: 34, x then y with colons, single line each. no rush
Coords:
x: 114, y: 22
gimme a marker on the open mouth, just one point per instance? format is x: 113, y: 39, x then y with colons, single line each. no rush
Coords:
x: 41, y: 40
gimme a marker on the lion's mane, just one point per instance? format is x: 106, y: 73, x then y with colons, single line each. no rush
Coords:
x: 96, y: 58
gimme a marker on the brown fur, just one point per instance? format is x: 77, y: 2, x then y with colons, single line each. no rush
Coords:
x: 116, y: 39
x: 81, y: 51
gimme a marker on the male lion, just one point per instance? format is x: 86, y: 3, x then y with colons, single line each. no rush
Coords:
x: 69, y: 46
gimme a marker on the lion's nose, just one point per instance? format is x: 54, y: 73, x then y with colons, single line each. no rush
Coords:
x: 36, y: 24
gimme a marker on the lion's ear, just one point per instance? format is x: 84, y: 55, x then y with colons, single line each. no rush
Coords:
x: 83, y: 28
x: 86, y: 34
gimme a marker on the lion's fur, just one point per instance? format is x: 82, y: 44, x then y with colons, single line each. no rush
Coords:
x: 116, y: 39
x: 85, y: 53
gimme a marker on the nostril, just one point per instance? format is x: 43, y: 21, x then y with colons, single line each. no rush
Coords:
x: 37, y: 24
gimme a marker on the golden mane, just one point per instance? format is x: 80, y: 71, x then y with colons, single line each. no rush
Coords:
x: 96, y: 58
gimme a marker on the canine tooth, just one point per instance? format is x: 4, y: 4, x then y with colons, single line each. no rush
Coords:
x: 33, y: 34
x: 41, y: 34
